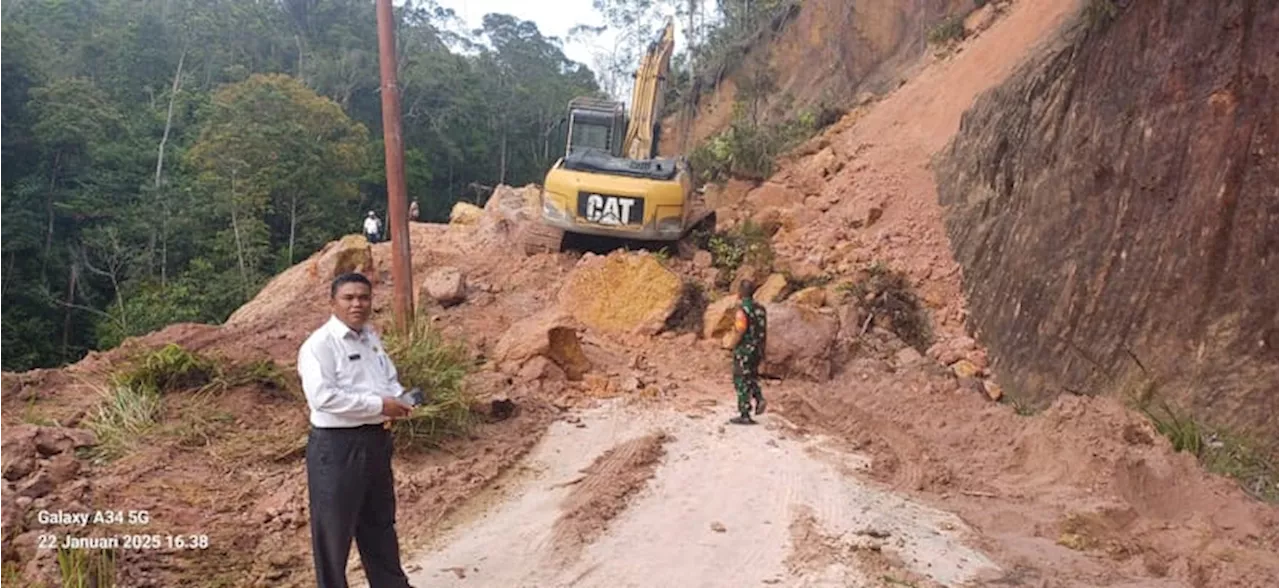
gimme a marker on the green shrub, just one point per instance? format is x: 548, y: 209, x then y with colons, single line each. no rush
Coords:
x: 425, y: 359
x: 747, y: 245
x: 950, y: 29
x: 169, y: 369
x: 747, y: 150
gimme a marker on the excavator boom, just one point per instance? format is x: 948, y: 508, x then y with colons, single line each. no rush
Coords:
x: 646, y: 97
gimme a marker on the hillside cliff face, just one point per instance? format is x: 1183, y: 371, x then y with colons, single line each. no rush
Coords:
x: 827, y: 51
x: 1114, y: 209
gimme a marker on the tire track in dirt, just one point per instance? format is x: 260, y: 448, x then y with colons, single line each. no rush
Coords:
x: 602, y: 493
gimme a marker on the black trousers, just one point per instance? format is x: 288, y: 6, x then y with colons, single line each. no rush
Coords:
x: 352, y: 495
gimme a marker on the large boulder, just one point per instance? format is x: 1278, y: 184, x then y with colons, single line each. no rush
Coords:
x: 307, y: 282
x: 1167, y: 271
x: 351, y: 253
x: 773, y: 288
x: 813, y: 296
x: 506, y: 211
x: 465, y: 213
x: 550, y: 334
x: 801, y: 342
x: 621, y: 293
x: 446, y: 285
x: 513, y: 204
x: 718, y: 318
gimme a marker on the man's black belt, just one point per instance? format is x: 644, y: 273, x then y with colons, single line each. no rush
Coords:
x: 362, y: 428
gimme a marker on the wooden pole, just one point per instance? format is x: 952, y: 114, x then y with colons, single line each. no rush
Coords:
x: 397, y: 201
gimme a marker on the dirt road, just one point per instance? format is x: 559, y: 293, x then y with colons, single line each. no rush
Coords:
x: 724, y: 506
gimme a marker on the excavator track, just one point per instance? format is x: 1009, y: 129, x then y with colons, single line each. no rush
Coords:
x: 538, y: 237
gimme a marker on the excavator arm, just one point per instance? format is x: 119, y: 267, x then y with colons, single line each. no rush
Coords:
x: 646, y: 98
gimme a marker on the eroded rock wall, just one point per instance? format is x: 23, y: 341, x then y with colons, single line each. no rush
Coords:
x: 1114, y: 208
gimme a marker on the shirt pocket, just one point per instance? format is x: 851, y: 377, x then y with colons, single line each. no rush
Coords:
x: 349, y: 364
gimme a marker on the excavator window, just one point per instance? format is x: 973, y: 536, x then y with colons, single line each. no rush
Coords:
x: 586, y: 135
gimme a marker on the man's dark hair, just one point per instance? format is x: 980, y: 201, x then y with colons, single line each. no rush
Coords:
x: 348, y: 278
x: 746, y: 289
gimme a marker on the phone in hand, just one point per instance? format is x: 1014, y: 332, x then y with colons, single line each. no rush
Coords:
x: 413, y: 397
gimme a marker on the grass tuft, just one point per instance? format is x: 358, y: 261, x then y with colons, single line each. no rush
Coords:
x: 125, y: 414
x: 87, y: 568
x: 425, y: 359
x: 1220, y: 451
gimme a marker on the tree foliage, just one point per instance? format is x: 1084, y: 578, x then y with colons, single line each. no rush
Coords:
x: 163, y: 158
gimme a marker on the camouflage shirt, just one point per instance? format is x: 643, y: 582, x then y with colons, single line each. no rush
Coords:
x: 752, y: 344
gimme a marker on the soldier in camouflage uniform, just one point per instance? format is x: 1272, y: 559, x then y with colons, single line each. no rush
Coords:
x: 750, y: 326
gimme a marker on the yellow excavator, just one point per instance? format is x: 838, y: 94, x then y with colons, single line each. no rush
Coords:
x: 611, y: 182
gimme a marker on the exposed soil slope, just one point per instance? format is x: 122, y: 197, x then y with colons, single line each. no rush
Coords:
x: 824, y: 52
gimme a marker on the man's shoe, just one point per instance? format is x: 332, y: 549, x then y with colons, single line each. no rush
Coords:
x: 760, y: 404
x: 742, y: 420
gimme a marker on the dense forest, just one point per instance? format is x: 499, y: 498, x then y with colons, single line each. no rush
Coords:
x: 162, y: 159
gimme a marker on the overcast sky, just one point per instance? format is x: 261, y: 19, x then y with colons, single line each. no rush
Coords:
x: 554, y: 19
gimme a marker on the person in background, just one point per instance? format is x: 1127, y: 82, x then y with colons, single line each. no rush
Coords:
x: 372, y: 227
x: 413, y: 210
x: 748, y: 340
x: 352, y: 390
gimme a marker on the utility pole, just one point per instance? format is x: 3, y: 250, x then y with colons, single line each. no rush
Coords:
x: 397, y: 202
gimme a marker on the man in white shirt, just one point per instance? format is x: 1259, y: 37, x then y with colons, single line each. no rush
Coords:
x: 351, y: 388
x: 372, y: 227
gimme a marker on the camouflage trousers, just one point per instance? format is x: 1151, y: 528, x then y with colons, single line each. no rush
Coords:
x: 746, y: 381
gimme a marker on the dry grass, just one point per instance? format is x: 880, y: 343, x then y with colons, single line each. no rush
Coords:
x: 123, y: 417
x: 426, y: 360
x: 133, y: 403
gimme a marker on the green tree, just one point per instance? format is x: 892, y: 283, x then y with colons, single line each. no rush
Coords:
x: 278, y: 160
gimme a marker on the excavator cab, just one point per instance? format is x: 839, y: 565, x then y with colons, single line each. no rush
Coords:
x: 597, y: 125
